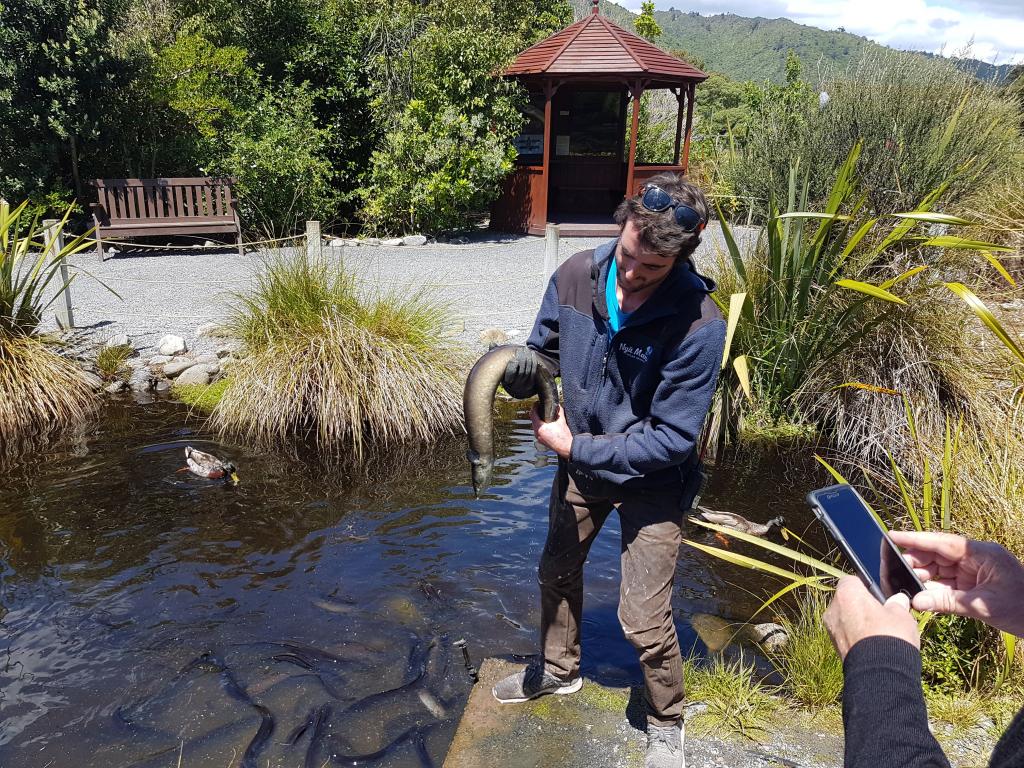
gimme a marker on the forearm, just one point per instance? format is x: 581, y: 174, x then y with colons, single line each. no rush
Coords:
x: 884, y: 712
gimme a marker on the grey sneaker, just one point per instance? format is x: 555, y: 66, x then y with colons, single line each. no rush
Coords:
x: 665, y: 746
x: 531, y: 683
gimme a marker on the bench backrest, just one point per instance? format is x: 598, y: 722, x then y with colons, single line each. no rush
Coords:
x: 166, y: 199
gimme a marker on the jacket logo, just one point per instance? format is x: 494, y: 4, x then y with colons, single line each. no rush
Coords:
x: 641, y: 354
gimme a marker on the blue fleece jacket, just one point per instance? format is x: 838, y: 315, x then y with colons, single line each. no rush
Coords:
x: 635, y: 399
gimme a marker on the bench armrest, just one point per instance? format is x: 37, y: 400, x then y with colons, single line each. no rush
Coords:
x: 99, y: 214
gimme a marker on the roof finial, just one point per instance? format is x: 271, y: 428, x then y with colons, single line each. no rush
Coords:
x: 594, y: 10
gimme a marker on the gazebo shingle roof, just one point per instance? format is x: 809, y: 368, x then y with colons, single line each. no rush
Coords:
x: 594, y: 47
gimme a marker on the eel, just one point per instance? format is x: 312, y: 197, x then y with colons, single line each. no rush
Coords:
x: 478, y: 402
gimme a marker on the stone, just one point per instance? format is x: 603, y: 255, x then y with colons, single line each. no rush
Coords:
x: 94, y: 381
x: 162, y: 385
x: 135, y: 362
x: 159, y: 359
x: 141, y: 380
x: 493, y: 337
x: 513, y: 332
x: 177, y: 367
x: 117, y: 340
x: 371, y: 241
x: 171, y: 345
x: 337, y: 243
x: 114, y: 387
x: 226, y: 351
x: 392, y: 242
x: 208, y: 358
x: 352, y: 242
x: 208, y: 244
x: 769, y: 634
x: 197, y: 374
x: 208, y: 329
x: 414, y: 240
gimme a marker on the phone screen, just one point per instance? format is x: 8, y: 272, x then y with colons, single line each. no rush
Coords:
x: 877, y: 554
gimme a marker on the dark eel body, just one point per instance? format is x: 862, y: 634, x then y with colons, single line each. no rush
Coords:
x: 478, y: 403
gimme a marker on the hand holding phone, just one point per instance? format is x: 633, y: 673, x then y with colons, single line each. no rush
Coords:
x: 867, y: 546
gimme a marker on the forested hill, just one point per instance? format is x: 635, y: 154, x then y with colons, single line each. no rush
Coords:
x: 754, y: 49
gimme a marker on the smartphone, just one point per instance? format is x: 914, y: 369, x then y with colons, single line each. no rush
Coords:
x: 878, y: 561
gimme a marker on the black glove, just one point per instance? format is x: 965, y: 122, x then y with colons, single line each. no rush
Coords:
x: 519, y: 379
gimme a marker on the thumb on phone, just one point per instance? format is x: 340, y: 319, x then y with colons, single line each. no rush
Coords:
x: 939, y: 599
x: 900, y: 600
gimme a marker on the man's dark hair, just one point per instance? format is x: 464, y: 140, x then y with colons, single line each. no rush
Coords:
x: 658, y: 230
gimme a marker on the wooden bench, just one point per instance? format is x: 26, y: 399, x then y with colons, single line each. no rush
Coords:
x: 164, y: 207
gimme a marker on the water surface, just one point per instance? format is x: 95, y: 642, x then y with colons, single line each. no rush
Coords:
x: 306, y: 616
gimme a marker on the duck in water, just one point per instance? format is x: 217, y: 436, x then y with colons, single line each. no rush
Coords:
x: 737, y: 522
x: 209, y: 466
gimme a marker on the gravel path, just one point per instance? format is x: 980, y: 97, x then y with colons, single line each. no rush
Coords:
x: 495, y: 281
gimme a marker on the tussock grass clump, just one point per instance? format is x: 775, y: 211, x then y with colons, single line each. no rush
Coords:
x: 734, y: 696
x: 811, y: 669
x: 41, y: 392
x: 332, y: 367
x: 111, y: 361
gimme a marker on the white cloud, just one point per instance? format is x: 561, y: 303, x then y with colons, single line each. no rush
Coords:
x: 995, y: 27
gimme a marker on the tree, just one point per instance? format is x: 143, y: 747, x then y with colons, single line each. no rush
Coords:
x: 645, y: 24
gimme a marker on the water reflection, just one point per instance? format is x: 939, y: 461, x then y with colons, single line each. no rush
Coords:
x: 305, y: 616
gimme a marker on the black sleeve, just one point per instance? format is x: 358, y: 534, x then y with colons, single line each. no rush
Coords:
x: 884, y: 713
x: 1009, y: 752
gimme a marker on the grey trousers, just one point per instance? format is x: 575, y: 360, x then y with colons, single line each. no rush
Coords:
x: 651, y: 532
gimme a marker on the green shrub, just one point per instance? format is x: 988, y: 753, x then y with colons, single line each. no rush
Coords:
x: 920, y: 123
x: 338, y: 370
x: 433, y: 170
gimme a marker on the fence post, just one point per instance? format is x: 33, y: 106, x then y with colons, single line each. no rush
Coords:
x: 65, y: 314
x: 550, y: 255
x: 750, y: 212
x: 314, y: 245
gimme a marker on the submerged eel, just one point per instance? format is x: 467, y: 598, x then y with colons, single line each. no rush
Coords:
x: 478, y: 402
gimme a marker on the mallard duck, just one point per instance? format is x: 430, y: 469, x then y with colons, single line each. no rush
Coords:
x: 209, y: 466
x: 737, y: 522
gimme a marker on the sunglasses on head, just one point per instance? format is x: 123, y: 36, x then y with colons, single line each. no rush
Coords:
x: 656, y: 199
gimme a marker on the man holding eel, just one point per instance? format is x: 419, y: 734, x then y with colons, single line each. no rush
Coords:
x: 638, y: 341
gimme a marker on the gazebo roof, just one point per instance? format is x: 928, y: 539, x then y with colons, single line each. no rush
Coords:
x: 595, y: 48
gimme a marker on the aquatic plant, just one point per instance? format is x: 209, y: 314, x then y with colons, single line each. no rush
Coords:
x: 835, y: 296
x: 41, y: 391
x: 339, y: 369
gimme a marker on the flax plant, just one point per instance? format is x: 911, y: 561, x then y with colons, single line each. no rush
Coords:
x: 41, y: 392
x: 827, y: 296
x: 336, y: 369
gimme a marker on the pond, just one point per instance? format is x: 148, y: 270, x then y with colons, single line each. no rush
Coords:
x: 303, y: 617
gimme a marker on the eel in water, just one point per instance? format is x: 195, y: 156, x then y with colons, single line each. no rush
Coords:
x: 478, y: 402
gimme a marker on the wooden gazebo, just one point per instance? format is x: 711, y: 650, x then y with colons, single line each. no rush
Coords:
x: 574, y: 166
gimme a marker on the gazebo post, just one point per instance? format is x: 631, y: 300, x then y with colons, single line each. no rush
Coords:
x: 690, y: 92
x: 679, y: 123
x: 549, y: 95
x: 636, y: 90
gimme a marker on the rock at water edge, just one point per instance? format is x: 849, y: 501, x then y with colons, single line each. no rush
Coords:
x: 197, y: 374
x: 94, y: 381
x: 177, y: 367
x: 414, y: 240
x: 171, y: 345
x: 117, y: 340
x: 208, y: 358
x: 159, y: 359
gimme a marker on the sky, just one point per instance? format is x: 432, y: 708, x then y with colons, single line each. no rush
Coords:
x: 995, y: 27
